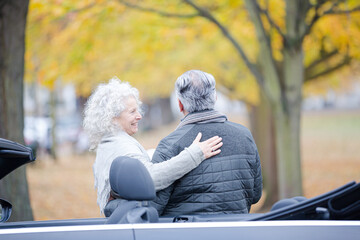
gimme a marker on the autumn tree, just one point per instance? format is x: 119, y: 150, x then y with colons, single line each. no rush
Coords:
x: 12, y: 48
x: 88, y: 42
x: 283, y: 30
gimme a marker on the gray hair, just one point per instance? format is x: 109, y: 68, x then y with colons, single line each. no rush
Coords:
x: 106, y: 103
x: 196, y: 90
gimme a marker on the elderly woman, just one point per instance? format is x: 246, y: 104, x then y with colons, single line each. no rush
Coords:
x: 111, y: 118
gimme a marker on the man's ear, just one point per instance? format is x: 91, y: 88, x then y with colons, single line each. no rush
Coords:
x: 181, y: 106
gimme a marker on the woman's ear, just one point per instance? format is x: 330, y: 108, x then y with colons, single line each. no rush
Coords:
x: 116, y: 122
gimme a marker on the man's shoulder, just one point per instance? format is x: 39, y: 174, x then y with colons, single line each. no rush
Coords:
x: 237, y: 126
x: 224, y: 127
x: 177, y: 134
x: 169, y: 146
x: 191, y: 130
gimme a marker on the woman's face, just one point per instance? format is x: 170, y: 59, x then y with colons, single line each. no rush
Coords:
x: 130, y: 117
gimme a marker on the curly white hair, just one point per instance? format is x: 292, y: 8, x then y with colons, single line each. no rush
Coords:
x: 106, y: 103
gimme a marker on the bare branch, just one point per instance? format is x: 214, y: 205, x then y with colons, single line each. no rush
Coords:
x: 229, y: 89
x: 346, y: 61
x: 206, y: 14
x: 157, y: 11
x: 90, y: 5
x: 317, y: 16
x: 318, y: 61
x: 65, y: 18
x: 312, y: 22
x: 271, y: 21
x: 332, y: 11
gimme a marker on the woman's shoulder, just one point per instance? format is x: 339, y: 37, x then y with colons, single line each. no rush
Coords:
x: 118, y: 138
x: 122, y: 142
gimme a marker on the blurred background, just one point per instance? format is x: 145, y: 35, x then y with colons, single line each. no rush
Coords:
x: 260, y: 57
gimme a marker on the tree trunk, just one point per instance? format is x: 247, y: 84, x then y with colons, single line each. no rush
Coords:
x: 288, y: 115
x: 262, y: 127
x: 52, y: 138
x: 13, y: 15
x: 282, y: 86
x: 288, y: 111
x: 288, y: 152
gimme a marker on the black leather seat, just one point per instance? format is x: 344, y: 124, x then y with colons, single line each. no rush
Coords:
x: 132, y: 187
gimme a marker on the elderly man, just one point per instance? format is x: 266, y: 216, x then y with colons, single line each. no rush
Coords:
x: 226, y: 183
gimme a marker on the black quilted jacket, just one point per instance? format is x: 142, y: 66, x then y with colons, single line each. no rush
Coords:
x: 227, y: 183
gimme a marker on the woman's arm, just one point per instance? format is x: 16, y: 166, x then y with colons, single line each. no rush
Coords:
x: 166, y: 172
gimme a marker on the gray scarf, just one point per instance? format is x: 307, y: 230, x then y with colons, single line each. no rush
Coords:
x: 205, y: 116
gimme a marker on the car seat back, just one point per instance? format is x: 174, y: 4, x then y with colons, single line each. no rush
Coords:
x: 132, y: 186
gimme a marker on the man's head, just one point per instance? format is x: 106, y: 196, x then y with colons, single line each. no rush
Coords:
x: 195, y: 90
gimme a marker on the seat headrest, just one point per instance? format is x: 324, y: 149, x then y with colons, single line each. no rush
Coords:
x: 130, y: 179
x: 287, y: 202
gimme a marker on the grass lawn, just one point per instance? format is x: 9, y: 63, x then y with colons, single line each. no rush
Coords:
x: 330, y: 150
x: 330, y: 143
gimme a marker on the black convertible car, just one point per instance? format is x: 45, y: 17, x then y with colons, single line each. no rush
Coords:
x: 333, y: 215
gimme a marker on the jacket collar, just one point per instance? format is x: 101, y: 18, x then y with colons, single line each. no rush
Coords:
x: 205, y: 116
